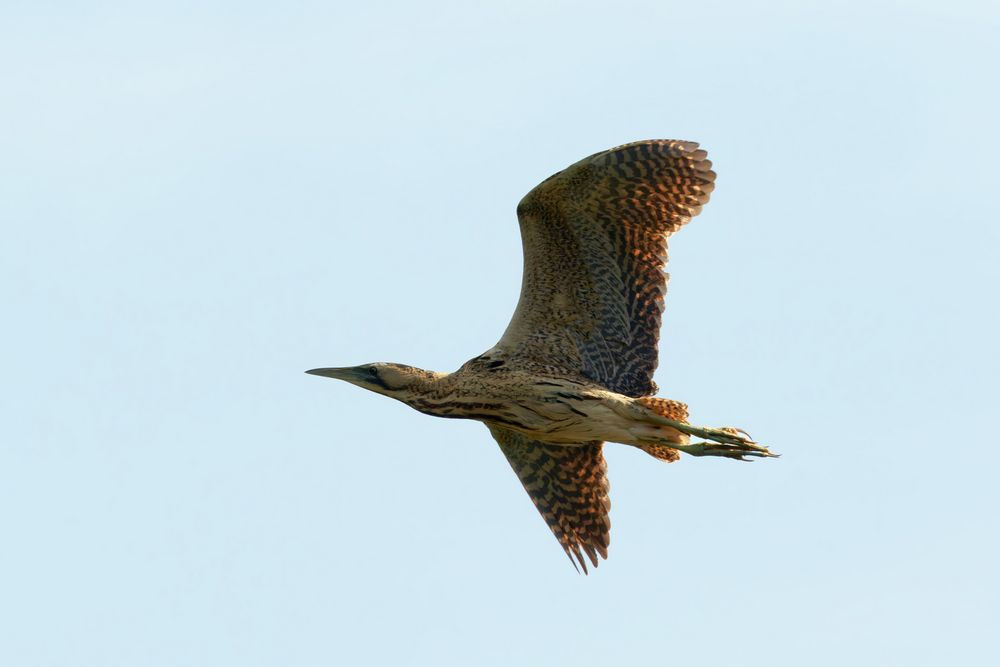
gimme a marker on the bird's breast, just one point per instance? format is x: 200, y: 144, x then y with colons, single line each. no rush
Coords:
x: 547, y: 409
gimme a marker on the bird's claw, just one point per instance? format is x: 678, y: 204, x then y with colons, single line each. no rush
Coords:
x: 728, y: 442
x: 742, y: 452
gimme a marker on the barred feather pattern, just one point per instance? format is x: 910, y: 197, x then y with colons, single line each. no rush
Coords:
x: 569, y: 486
x: 670, y: 409
x: 594, y: 238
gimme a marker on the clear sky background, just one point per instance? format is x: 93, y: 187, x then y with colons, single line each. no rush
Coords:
x: 199, y: 201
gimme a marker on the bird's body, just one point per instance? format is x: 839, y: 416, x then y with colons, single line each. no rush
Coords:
x: 557, y: 410
x: 575, y: 366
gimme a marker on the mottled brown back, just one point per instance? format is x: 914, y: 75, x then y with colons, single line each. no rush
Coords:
x: 569, y: 486
x: 595, y: 245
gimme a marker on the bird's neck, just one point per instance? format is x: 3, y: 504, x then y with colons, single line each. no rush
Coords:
x: 439, y: 395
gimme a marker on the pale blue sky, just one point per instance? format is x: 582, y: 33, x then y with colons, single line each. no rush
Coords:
x: 200, y: 201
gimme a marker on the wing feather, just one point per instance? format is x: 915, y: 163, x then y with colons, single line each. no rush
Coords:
x: 595, y: 245
x: 569, y: 487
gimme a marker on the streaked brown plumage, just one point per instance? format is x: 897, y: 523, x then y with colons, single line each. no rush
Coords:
x: 575, y: 366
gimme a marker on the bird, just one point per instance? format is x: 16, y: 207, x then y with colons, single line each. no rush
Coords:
x: 574, y: 368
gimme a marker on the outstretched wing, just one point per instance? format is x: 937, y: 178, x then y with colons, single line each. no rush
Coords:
x: 595, y: 245
x: 569, y: 486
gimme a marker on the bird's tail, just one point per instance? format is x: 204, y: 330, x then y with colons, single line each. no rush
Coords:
x: 671, y: 410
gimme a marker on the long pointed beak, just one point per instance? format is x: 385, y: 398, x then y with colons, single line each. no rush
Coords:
x: 348, y: 374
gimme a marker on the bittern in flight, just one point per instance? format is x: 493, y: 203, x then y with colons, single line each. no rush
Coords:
x: 575, y: 366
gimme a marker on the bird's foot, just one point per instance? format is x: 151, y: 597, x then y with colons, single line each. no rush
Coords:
x: 739, y: 451
x: 728, y: 442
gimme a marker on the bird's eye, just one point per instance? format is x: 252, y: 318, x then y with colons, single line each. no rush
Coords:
x: 373, y: 372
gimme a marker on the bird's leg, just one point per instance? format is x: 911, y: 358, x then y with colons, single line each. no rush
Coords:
x: 728, y: 442
x: 661, y: 422
x: 739, y: 452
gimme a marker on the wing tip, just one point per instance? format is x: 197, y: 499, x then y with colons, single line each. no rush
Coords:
x: 576, y: 551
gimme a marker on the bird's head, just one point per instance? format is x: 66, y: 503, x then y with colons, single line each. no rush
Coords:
x: 394, y: 380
